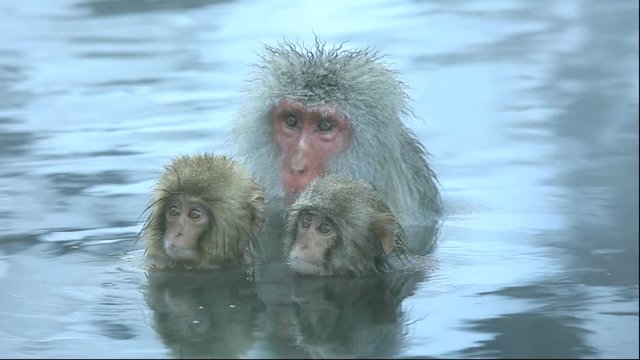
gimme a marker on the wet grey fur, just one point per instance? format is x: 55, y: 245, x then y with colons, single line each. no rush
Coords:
x: 363, y: 86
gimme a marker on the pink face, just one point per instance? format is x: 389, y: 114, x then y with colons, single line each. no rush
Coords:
x: 307, y: 137
x: 187, y: 220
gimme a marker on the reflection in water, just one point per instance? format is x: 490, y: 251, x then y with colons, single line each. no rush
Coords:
x: 556, y: 337
x: 328, y: 317
x: 344, y: 318
x: 548, y: 331
x: 598, y: 132
x: 120, y: 7
x: 218, y: 313
x: 204, y: 313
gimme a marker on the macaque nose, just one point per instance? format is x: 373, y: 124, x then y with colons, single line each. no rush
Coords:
x: 297, y: 169
x: 298, y: 165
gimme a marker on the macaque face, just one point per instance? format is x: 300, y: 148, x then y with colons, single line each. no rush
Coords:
x: 311, y: 251
x: 307, y: 138
x: 338, y: 226
x: 187, y: 220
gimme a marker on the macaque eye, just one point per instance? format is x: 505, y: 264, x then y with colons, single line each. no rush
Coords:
x: 291, y: 121
x: 305, y: 221
x: 325, y: 125
x: 195, y: 214
x: 325, y: 228
x: 174, y: 210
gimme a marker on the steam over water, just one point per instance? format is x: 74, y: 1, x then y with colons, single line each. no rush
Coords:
x: 528, y: 108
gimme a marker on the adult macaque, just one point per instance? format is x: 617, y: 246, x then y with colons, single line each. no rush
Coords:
x: 204, y: 213
x: 315, y: 111
x: 339, y: 226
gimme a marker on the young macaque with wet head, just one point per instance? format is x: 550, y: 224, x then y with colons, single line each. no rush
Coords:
x: 339, y: 226
x: 204, y: 214
x: 328, y: 110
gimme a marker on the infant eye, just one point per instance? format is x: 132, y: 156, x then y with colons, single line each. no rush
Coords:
x: 291, y: 121
x: 174, y: 210
x: 325, y: 228
x: 305, y: 221
x: 195, y: 214
x: 325, y: 125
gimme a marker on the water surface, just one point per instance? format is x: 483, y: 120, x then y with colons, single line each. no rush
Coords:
x: 530, y: 112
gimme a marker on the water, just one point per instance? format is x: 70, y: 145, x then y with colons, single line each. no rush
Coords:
x: 529, y: 108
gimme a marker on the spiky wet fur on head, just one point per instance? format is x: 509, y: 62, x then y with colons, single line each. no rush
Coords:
x: 369, y: 92
x: 353, y: 207
x: 236, y: 207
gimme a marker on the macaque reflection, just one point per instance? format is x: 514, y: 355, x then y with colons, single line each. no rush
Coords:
x: 334, y: 316
x: 339, y: 226
x: 351, y: 317
x: 204, y: 314
x: 315, y: 111
x: 205, y: 212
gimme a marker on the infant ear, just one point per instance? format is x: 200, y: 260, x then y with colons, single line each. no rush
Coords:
x: 385, y: 230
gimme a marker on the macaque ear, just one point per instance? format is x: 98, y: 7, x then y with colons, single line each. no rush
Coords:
x: 385, y: 229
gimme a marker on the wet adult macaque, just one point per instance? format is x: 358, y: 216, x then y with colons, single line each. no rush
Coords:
x: 328, y: 110
x: 205, y: 212
x: 339, y: 226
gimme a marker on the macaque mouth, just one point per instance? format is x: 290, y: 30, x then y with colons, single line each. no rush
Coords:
x: 296, y: 183
x: 180, y: 253
x: 306, y: 267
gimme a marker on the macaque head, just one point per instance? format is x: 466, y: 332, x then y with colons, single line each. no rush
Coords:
x: 339, y: 226
x: 319, y: 110
x: 204, y: 213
